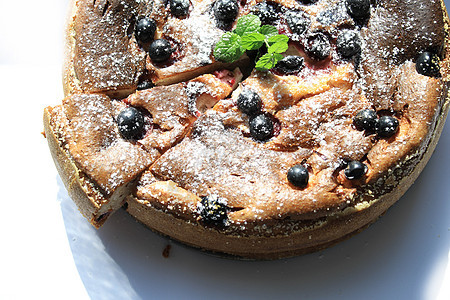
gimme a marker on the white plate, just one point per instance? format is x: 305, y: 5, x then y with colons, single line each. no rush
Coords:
x: 49, y: 251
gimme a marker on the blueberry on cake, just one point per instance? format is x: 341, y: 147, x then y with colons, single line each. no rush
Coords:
x: 257, y: 129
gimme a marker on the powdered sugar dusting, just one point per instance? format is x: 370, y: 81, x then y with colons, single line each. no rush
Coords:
x: 216, y: 154
x: 105, y: 59
x: 96, y: 145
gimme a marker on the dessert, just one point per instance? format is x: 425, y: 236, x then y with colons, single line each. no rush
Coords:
x: 273, y: 139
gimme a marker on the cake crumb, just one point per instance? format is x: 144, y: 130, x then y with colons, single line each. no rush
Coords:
x: 166, y: 251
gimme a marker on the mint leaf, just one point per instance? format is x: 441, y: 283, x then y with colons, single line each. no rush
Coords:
x: 268, y: 30
x: 250, y: 35
x: 247, y: 24
x: 278, y: 47
x: 252, y: 41
x: 268, y: 61
x: 228, y: 48
x: 277, y: 39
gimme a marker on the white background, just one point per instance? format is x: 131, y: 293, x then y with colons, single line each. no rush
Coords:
x: 48, y: 251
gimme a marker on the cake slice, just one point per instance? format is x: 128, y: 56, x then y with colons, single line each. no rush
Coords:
x: 100, y: 156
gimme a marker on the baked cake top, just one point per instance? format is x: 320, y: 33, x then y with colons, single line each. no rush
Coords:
x: 353, y: 98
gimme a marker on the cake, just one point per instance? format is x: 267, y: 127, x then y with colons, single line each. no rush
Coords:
x: 286, y: 147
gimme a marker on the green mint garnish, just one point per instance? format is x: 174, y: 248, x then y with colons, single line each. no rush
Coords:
x: 279, y: 46
x: 228, y: 48
x: 268, y: 61
x: 250, y: 35
x: 279, y: 38
x: 268, y: 30
x: 247, y: 24
x: 252, y: 41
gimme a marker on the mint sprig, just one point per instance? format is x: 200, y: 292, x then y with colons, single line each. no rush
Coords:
x: 250, y: 35
x: 268, y: 61
x: 247, y: 24
x: 252, y: 41
x: 228, y: 48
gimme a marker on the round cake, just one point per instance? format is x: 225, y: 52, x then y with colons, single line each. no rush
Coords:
x: 256, y: 129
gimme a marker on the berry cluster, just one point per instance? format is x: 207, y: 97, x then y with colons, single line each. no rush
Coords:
x: 159, y: 50
x: 261, y: 124
x: 367, y: 120
x: 318, y: 46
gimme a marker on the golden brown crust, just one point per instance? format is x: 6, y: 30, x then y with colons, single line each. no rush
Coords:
x: 168, y: 195
x: 79, y: 187
x: 70, y: 82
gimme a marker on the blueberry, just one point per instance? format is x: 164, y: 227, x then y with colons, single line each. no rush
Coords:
x: 297, y: 22
x: 318, y: 46
x: 160, y: 50
x: 266, y: 13
x: 365, y: 119
x: 261, y: 127
x: 298, y: 176
x: 355, y: 170
x: 290, y: 64
x: 348, y: 44
x: 213, y: 211
x: 249, y: 102
x: 145, y: 85
x: 428, y: 64
x: 226, y: 10
x: 358, y: 9
x: 387, y: 126
x: 307, y: 1
x: 145, y: 30
x: 179, y: 8
x: 131, y: 123
x: 332, y: 16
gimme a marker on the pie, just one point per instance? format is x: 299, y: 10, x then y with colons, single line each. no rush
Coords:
x: 233, y: 159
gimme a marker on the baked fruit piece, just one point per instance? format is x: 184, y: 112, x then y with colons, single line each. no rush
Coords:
x: 274, y: 164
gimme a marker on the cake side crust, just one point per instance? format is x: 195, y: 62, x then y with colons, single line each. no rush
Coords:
x: 81, y: 191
